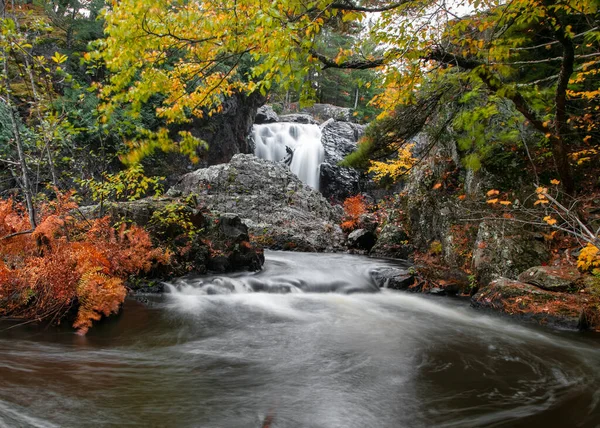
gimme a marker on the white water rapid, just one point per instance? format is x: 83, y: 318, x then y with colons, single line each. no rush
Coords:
x: 272, y: 139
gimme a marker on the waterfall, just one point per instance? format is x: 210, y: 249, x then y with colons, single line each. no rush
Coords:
x: 273, y: 140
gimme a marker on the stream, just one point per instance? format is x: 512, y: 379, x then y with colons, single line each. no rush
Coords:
x: 308, y: 342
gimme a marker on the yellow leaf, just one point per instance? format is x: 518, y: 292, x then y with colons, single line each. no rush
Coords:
x: 505, y: 203
x: 492, y: 201
x: 541, y: 201
x: 493, y: 192
x: 548, y: 219
x: 555, y: 182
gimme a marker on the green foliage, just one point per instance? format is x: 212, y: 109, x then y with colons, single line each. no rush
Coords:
x: 176, y: 219
x: 127, y: 185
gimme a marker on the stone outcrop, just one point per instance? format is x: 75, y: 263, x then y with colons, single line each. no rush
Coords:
x: 339, y: 139
x: 526, y: 301
x: 226, y: 132
x: 280, y: 211
x: 505, y: 249
x: 553, y: 278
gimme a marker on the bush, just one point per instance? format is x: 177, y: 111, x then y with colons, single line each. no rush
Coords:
x: 68, y: 264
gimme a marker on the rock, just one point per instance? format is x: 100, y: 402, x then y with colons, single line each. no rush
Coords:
x: 362, y: 239
x: 323, y: 112
x: 394, y: 278
x: 266, y: 114
x: 552, y: 278
x: 339, y: 139
x: 298, y: 118
x: 368, y: 222
x: 232, y: 227
x: 392, y: 242
x: 563, y: 310
x: 281, y: 212
x: 503, y: 249
x: 226, y: 133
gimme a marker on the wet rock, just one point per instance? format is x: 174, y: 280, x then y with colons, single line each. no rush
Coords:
x: 362, y: 239
x: 503, y: 249
x: 552, y: 278
x: 394, y: 278
x: 339, y: 139
x: 563, y: 310
x: 275, y: 205
x: 266, y: 114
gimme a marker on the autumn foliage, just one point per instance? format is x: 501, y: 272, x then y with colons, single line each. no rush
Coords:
x: 354, y: 207
x: 68, y: 264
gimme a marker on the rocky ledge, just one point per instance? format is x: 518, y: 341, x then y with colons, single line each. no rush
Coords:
x: 280, y: 211
x: 554, y: 296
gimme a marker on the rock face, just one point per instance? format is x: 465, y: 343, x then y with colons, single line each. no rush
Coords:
x: 552, y: 278
x: 226, y: 133
x: 503, y: 249
x: 339, y: 139
x: 563, y: 310
x: 280, y: 211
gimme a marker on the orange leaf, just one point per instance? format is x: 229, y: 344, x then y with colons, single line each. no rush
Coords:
x: 493, y: 192
x: 437, y: 186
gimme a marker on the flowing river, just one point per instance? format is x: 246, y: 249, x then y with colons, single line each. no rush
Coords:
x: 307, y: 342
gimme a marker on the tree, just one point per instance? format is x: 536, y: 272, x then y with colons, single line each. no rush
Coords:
x: 491, y: 49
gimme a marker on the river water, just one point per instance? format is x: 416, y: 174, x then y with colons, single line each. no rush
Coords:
x: 214, y: 352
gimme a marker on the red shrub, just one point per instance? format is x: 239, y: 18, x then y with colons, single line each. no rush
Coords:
x: 354, y: 207
x: 67, y: 262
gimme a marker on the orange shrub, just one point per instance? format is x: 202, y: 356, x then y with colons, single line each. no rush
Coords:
x: 354, y: 207
x: 67, y: 263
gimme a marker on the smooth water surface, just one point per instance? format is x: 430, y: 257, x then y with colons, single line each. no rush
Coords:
x: 317, y: 347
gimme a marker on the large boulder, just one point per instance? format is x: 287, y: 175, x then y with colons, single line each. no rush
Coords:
x: 563, y: 310
x: 553, y: 278
x: 504, y: 249
x: 281, y: 212
x: 339, y: 139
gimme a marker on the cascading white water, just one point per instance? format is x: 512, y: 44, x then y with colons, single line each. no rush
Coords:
x: 272, y: 139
